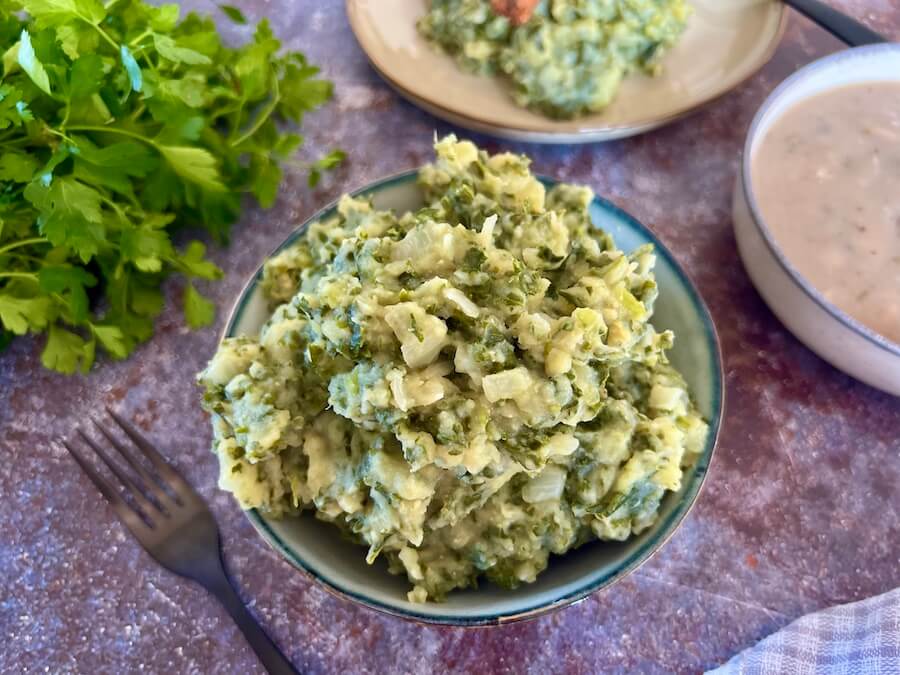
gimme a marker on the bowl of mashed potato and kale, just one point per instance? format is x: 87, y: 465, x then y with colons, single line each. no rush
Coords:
x: 454, y: 398
x: 561, y: 58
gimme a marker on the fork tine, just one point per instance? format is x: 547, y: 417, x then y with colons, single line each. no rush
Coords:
x: 146, y: 508
x: 121, y: 508
x: 105, y: 488
x: 153, y: 486
x: 160, y: 464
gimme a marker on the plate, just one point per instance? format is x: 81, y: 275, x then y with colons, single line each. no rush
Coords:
x: 318, y: 548
x: 726, y: 42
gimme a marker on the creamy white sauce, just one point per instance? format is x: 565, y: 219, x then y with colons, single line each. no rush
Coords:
x: 827, y: 180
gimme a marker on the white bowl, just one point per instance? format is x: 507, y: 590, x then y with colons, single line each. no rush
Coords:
x: 319, y: 549
x: 837, y: 337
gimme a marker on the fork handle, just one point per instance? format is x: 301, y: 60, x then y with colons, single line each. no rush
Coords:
x: 837, y: 23
x: 269, y: 655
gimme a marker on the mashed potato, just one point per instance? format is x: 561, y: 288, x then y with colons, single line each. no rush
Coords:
x: 465, y: 389
x: 570, y: 57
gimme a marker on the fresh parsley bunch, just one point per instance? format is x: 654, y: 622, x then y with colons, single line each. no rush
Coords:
x: 118, y: 124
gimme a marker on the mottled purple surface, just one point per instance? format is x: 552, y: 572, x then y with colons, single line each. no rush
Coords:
x: 801, y: 510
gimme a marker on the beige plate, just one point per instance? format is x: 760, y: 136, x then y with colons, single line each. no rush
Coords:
x: 726, y: 42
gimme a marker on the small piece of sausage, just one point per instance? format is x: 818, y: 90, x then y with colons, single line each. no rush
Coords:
x: 517, y: 11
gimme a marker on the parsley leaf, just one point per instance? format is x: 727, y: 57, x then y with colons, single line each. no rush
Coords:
x: 198, y: 311
x: 69, y: 214
x: 86, y: 76
x: 129, y: 157
x: 53, y: 12
x: 19, y: 315
x: 194, y: 264
x: 66, y: 352
x: 17, y: 167
x: 233, y: 13
x: 135, y: 76
x: 169, y: 49
x: 194, y: 164
x: 145, y: 247
x: 112, y: 339
x: 30, y: 64
x: 329, y: 161
x: 70, y: 283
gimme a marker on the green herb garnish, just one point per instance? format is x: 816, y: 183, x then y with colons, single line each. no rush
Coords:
x: 473, y: 260
x: 414, y: 328
x: 118, y: 124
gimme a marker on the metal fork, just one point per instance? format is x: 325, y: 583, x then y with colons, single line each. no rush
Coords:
x: 172, y: 522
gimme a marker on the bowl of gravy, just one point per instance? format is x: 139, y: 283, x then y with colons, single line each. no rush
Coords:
x: 817, y: 210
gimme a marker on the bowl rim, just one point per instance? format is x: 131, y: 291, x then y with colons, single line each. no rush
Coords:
x: 753, y: 135
x: 597, y: 133
x: 699, y: 473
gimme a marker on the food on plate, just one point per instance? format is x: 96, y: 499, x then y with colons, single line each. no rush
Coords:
x: 121, y: 124
x: 566, y: 59
x: 466, y: 388
x: 517, y: 11
x: 825, y: 177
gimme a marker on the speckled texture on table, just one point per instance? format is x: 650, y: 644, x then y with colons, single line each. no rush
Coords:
x: 801, y: 510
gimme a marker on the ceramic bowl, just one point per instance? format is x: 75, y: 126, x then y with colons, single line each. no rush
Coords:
x: 831, y: 333
x: 726, y: 42
x: 318, y: 548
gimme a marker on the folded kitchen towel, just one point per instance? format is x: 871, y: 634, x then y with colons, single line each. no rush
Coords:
x: 862, y: 638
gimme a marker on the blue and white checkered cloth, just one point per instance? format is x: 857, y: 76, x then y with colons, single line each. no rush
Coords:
x: 862, y: 638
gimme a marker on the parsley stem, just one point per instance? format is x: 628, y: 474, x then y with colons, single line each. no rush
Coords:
x: 22, y: 242
x: 62, y: 125
x: 118, y: 209
x: 105, y: 35
x: 114, y: 130
x: 263, y: 115
x: 138, y: 112
x: 60, y: 134
x: 140, y: 37
x: 16, y: 141
x: 32, y: 258
x: 19, y: 275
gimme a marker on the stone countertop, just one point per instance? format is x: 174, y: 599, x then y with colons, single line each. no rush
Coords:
x: 801, y: 510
